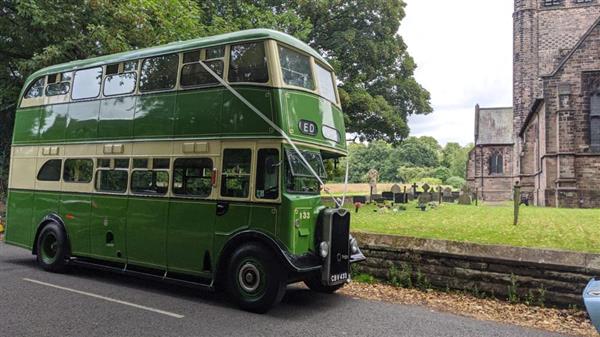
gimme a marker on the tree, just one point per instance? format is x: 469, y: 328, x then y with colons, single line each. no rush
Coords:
x: 371, y: 60
x: 416, y: 152
x: 455, y: 157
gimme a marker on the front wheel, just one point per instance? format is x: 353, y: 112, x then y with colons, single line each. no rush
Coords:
x: 314, y: 283
x: 52, y: 248
x: 255, y: 278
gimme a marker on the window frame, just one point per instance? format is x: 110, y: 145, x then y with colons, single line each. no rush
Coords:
x: 73, y: 99
x: 192, y: 196
x: 112, y: 167
x: 64, y: 164
x: 250, y: 174
x: 141, y: 62
x: 268, y: 54
x: 150, y: 168
x: 311, y: 65
x: 495, y: 167
x: 278, y: 171
x: 133, y: 91
x: 37, y: 177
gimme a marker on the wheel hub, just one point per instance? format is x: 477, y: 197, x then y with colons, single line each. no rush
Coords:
x: 249, y: 277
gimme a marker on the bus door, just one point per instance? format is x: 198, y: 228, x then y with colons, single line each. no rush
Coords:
x: 233, y: 209
x: 191, y: 217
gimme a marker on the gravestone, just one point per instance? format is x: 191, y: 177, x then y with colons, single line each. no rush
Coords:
x: 359, y: 199
x: 397, y: 195
x: 425, y: 197
x: 414, y: 190
x: 447, y: 195
x: 400, y: 198
x: 465, y: 197
x: 387, y: 196
x: 373, y: 176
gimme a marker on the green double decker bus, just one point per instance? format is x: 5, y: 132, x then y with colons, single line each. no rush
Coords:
x: 197, y: 162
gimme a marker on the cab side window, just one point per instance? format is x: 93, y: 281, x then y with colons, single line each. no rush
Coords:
x: 192, y: 177
x: 267, y: 174
x: 235, y: 179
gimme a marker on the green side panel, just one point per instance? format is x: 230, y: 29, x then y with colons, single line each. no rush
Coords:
x: 236, y: 219
x: 116, y: 118
x: 147, y: 231
x: 154, y: 115
x: 45, y: 203
x: 27, y: 124
x: 264, y: 219
x: 190, y: 235
x: 53, y: 123
x: 18, y: 218
x: 295, y: 105
x: 75, y: 211
x: 298, y: 220
x: 108, y: 227
x: 82, y: 121
x: 238, y: 119
x: 198, y: 112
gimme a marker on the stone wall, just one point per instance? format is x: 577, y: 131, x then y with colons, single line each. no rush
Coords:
x: 555, y: 277
x: 490, y: 187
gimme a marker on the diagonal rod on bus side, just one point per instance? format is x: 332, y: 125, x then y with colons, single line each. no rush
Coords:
x: 274, y: 126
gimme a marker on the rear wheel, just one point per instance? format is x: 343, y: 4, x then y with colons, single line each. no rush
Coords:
x: 255, y: 278
x: 52, y: 248
x: 315, y: 284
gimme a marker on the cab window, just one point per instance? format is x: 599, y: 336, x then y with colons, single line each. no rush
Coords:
x: 235, y: 179
x: 248, y: 63
x: 267, y: 174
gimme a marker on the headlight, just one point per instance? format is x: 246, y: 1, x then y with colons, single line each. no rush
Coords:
x: 353, y: 245
x: 324, y: 249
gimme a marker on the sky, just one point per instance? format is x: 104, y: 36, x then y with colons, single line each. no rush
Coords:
x: 463, y: 51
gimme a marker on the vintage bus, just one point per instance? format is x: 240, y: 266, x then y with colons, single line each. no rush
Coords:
x: 144, y: 162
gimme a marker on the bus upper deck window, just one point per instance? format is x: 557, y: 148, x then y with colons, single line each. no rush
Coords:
x: 36, y: 89
x: 159, y: 73
x: 248, y: 63
x: 194, y: 74
x: 295, y: 68
x: 326, y: 85
x: 87, y: 83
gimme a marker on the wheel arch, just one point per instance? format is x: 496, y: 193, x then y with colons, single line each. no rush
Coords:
x: 50, y: 218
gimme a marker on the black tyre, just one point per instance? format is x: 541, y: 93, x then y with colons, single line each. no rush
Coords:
x: 255, y: 278
x: 52, y: 248
x: 315, y: 284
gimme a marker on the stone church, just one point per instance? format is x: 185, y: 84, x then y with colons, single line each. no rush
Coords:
x: 549, y: 141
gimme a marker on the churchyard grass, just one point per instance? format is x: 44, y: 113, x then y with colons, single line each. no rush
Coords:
x: 554, y: 228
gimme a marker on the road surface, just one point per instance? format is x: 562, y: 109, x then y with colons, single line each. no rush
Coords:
x: 87, y: 303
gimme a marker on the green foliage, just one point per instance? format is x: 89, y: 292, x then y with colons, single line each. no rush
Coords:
x: 377, y: 87
x: 410, y: 174
x: 364, y: 278
x: 442, y: 173
x: 456, y: 182
x: 513, y: 296
x: 454, y: 157
x: 401, y: 277
x: 418, y: 152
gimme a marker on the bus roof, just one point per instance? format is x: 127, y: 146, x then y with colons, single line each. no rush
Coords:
x: 240, y: 36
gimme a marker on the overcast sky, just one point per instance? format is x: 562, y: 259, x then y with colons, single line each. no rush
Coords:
x: 463, y: 50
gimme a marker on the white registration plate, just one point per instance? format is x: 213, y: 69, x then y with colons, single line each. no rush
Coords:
x: 338, y: 277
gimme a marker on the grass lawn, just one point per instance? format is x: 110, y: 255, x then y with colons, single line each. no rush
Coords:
x: 557, y: 228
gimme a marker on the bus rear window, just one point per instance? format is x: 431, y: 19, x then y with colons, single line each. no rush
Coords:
x: 36, y: 89
x: 248, y: 63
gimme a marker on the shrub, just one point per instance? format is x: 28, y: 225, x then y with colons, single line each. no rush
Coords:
x: 456, y: 182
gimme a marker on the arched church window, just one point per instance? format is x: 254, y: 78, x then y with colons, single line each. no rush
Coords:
x: 595, y: 121
x: 548, y: 3
x: 496, y: 163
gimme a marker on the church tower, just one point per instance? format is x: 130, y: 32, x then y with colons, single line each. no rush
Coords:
x: 544, y: 31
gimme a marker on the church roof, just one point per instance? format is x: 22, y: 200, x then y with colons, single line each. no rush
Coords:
x: 493, y: 126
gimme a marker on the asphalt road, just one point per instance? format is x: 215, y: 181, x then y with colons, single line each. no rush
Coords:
x: 86, y: 303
